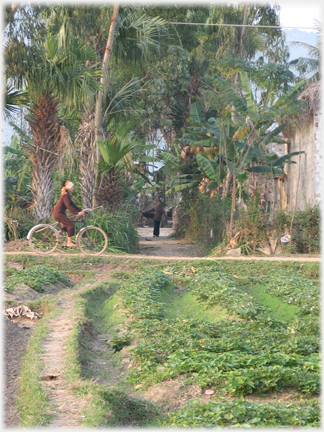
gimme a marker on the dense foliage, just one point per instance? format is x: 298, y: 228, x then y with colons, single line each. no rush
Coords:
x: 212, y: 104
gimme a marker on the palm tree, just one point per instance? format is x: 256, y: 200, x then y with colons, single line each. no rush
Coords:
x: 311, y: 65
x: 122, y: 101
x: 44, y: 151
x: 87, y: 153
x: 137, y: 35
x: 57, y: 86
x: 116, y: 153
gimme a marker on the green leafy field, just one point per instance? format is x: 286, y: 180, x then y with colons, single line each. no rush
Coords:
x: 228, y: 330
x: 35, y: 277
x: 249, y: 353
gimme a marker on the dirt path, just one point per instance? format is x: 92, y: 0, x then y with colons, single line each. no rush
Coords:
x: 163, y: 248
x: 68, y: 409
x: 164, y: 245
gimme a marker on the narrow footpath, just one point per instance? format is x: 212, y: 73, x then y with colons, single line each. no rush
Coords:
x: 166, y: 248
x: 68, y: 409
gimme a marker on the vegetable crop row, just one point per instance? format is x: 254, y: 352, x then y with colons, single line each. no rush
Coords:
x: 293, y: 289
x: 245, y: 414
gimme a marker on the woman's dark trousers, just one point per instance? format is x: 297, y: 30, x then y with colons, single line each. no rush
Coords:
x: 156, y: 231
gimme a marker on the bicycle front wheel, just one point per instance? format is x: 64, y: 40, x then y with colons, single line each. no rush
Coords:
x: 43, y: 239
x: 92, y: 241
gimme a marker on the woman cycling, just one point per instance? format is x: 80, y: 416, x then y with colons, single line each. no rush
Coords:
x: 65, y: 202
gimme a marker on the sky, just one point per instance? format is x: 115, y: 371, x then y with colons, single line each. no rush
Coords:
x: 300, y: 14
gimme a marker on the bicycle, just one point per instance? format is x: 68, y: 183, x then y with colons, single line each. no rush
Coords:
x: 91, y: 240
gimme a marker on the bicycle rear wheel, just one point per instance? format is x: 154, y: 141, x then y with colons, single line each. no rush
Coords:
x: 43, y: 239
x: 92, y: 241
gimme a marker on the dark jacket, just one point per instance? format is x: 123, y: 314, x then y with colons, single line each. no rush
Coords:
x: 158, y: 212
x: 63, y: 204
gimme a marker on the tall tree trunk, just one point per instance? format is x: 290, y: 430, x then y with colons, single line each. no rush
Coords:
x: 227, y: 183
x: 235, y: 79
x: 243, y: 30
x: 233, y: 206
x: 99, y: 133
x: 42, y: 193
x: 220, y: 158
x: 87, y: 156
x: 240, y: 53
x: 45, y: 150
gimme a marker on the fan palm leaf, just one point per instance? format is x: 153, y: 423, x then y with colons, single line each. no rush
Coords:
x: 138, y: 36
x: 311, y: 65
x: 116, y: 152
x: 14, y: 101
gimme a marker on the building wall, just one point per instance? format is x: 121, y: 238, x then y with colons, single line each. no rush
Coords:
x: 277, y: 148
x: 309, y: 164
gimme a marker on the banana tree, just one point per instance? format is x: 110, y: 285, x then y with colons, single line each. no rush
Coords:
x: 178, y: 181
x: 244, y: 136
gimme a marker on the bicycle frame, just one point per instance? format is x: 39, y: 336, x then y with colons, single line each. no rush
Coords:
x: 81, y: 221
x: 44, y: 238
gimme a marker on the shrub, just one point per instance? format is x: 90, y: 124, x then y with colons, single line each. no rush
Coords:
x: 282, y: 221
x: 17, y: 223
x: 204, y: 220
x: 306, y: 228
x: 119, y: 227
x: 253, y: 226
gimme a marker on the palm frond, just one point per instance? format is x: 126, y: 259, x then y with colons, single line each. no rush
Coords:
x: 14, y: 101
x: 138, y: 36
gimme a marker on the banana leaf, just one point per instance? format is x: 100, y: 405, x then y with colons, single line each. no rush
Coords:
x: 168, y: 157
x: 207, y: 167
x: 252, y: 106
x: 180, y: 187
x: 269, y: 138
x: 196, y: 113
x: 282, y: 160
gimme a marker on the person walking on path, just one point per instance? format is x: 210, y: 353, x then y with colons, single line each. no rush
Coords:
x: 64, y: 203
x: 158, y: 211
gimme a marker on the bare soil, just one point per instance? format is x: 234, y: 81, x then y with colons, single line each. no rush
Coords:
x: 165, y: 245
x: 67, y: 411
x: 16, y: 336
x: 23, y: 294
x: 16, y: 245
